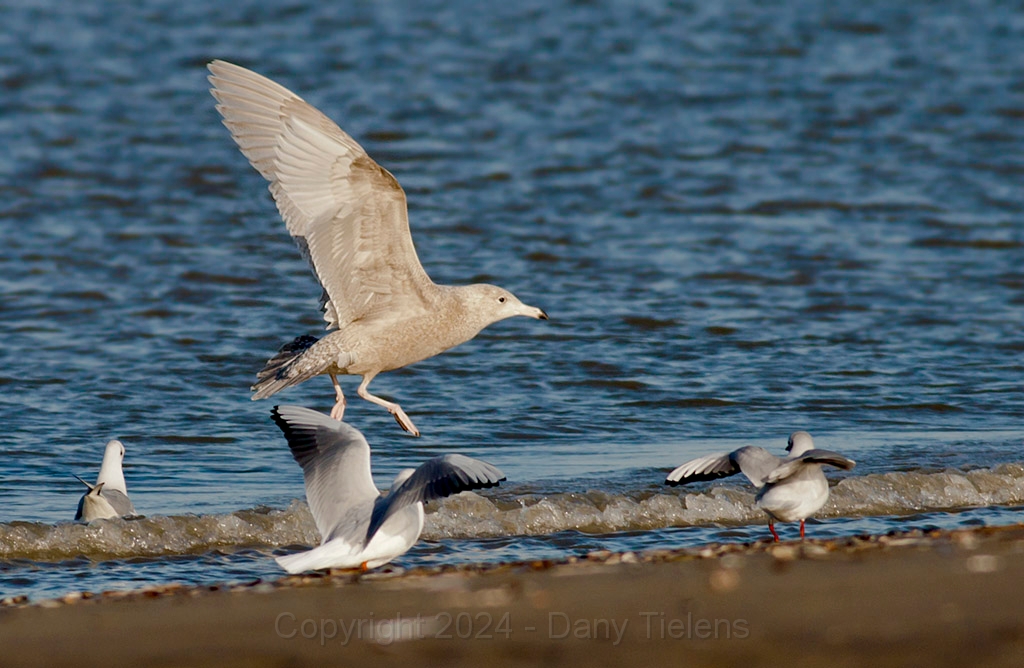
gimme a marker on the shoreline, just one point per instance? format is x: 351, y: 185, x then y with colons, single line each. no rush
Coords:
x: 940, y: 596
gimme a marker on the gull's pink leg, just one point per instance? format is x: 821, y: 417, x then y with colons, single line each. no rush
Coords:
x: 403, y: 420
x: 338, y: 411
x: 771, y: 527
x: 801, y: 529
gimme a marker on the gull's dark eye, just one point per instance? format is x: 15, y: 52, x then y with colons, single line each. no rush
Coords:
x: 501, y: 300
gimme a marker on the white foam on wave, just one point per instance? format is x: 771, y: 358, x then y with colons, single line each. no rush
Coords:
x: 471, y: 515
x: 158, y: 535
x: 730, y: 503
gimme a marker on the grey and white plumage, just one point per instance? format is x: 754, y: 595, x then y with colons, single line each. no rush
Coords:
x: 789, y: 488
x: 359, y: 527
x: 109, y: 496
x: 348, y: 216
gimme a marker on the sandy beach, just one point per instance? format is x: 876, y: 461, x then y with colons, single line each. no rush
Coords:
x: 938, y: 598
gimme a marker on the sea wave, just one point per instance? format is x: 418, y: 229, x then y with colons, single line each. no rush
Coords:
x: 724, y: 504
x: 158, y: 535
x: 471, y: 515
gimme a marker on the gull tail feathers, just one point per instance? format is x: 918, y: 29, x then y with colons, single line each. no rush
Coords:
x: 299, y: 562
x: 288, y: 367
x: 329, y: 555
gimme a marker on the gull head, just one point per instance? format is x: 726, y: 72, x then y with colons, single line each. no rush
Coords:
x: 110, y: 470
x: 490, y: 304
x: 114, y: 452
x: 799, y: 443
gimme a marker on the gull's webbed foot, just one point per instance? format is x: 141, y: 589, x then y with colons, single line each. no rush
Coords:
x: 403, y: 420
x: 400, y: 417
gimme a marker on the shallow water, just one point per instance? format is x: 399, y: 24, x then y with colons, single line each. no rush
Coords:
x: 743, y: 220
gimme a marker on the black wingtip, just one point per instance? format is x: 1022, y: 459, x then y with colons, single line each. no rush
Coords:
x: 282, y: 424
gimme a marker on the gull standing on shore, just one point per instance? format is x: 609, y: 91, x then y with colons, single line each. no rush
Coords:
x: 109, y: 496
x: 348, y: 216
x: 790, y: 488
x: 358, y: 527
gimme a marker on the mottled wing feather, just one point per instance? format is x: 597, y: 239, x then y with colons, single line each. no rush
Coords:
x: 434, y: 479
x: 335, y: 461
x: 816, y: 456
x: 347, y: 214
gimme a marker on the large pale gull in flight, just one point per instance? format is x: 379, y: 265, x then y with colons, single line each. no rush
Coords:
x: 348, y: 216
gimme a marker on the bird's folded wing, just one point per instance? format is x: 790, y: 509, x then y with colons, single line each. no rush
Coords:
x: 436, y: 478
x: 119, y: 501
x: 347, y: 214
x: 816, y: 456
x: 335, y: 461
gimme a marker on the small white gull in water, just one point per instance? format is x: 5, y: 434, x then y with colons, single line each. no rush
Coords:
x: 790, y: 488
x: 348, y: 216
x: 109, y: 496
x: 359, y: 527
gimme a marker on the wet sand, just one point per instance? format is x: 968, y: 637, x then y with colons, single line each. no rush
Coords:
x: 941, y: 598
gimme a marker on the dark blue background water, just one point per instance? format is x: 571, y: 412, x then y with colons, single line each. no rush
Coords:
x: 744, y: 218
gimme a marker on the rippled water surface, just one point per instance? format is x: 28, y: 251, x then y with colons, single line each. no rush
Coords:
x: 744, y: 218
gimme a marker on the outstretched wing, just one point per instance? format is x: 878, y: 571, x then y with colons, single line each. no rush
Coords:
x: 347, y: 214
x: 335, y: 461
x: 434, y: 479
x: 709, y: 467
x: 756, y: 463
x: 753, y: 462
x: 816, y: 456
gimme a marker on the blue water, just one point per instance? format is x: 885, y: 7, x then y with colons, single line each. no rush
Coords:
x: 744, y: 218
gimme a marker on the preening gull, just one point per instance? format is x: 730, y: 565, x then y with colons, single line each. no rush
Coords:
x: 359, y: 528
x: 790, y: 488
x: 348, y: 216
x: 109, y: 496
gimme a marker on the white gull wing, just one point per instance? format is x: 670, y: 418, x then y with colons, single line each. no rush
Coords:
x: 755, y: 463
x: 102, y: 502
x: 347, y: 214
x: 434, y: 479
x: 92, y: 506
x: 335, y: 461
x: 818, y: 457
x: 708, y: 467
